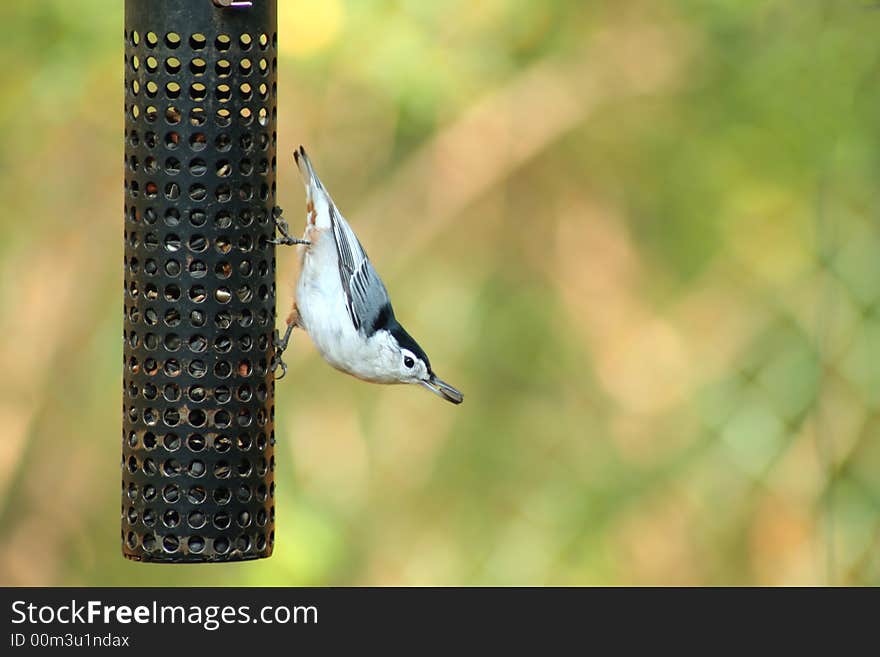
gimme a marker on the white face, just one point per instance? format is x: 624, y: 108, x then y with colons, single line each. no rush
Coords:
x: 392, y: 363
x: 411, y: 369
x: 384, y: 361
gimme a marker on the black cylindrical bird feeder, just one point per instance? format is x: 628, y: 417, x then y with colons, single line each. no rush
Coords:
x: 198, y: 390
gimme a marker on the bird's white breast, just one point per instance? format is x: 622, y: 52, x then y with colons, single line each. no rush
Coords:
x: 321, y: 303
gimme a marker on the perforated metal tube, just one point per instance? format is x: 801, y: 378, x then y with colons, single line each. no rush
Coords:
x: 198, y: 393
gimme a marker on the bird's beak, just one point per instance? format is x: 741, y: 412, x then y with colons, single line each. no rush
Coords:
x: 443, y: 389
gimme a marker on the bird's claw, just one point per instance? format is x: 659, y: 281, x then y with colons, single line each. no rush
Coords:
x: 276, y: 363
x: 277, y: 360
x: 283, y: 227
x: 288, y: 241
x: 280, y: 346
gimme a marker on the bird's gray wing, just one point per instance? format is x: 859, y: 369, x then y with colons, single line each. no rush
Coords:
x: 365, y: 295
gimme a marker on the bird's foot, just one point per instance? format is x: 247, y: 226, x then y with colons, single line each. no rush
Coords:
x: 282, y: 226
x: 280, y: 346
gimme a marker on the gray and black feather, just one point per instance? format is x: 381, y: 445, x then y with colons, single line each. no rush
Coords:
x: 366, y: 298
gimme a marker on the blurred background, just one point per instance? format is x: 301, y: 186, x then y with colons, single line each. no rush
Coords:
x: 642, y: 237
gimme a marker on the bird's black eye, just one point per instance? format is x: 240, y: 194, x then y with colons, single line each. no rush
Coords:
x: 409, y: 362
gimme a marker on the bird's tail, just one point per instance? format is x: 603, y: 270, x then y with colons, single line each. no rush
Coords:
x: 317, y: 198
x: 307, y: 171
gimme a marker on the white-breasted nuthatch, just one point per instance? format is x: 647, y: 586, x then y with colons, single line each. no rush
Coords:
x: 342, y: 303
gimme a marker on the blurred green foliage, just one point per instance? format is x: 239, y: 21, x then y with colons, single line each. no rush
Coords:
x: 642, y: 237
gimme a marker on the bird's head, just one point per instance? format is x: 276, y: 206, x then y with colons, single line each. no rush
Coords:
x: 408, y: 363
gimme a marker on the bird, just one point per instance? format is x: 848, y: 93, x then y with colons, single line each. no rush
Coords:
x: 342, y: 303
